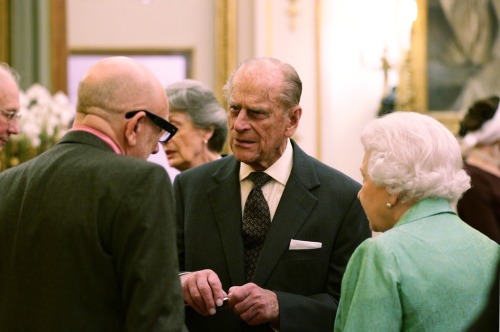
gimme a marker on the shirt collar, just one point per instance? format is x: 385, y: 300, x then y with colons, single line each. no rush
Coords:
x: 116, y: 149
x: 425, y: 208
x: 279, y: 171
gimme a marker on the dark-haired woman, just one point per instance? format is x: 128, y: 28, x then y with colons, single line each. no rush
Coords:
x: 480, y: 129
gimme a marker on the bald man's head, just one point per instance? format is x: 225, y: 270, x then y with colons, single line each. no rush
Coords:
x: 118, y: 96
x: 117, y: 84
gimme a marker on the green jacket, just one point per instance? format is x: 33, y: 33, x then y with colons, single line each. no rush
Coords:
x: 430, y: 272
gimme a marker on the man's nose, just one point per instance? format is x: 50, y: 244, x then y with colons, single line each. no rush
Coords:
x: 14, y: 127
x: 241, y: 121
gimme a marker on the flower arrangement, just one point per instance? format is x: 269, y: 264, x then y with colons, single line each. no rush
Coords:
x: 45, y: 118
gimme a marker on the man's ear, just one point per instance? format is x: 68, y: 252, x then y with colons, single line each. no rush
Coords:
x: 133, y: 128
x: 294, y: 115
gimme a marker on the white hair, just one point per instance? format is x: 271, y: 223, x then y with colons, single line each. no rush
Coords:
x: 414, y: 156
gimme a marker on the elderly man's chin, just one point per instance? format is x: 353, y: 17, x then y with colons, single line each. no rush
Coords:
x: 244, y: 155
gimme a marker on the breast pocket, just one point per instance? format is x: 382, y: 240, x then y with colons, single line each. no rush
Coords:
x: 304, y: 255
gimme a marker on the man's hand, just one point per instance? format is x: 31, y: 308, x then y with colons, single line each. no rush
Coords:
x: 254, y: 305
x: 202, y: 291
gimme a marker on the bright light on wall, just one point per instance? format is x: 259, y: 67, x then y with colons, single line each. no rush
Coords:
x: 406, y: 13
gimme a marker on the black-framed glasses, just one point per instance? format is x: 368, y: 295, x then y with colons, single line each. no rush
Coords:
x: 169, y: 128
x: 10, y: 115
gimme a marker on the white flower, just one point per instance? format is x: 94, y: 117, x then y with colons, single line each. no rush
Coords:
x: 43, y: 114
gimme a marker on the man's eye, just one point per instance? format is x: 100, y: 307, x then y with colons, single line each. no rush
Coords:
x: 257, y: 113
x: 233, y: 111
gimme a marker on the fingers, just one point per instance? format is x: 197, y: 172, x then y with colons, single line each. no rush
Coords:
x: 202, y: 291
x: 253, y: 304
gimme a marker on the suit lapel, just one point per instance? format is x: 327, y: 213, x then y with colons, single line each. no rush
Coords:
x: 225, y: 200
x: 295, y: 206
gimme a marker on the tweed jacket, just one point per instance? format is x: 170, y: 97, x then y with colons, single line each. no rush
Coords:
x: 87, y: 242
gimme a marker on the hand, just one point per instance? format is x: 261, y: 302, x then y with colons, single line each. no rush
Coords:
x: 202, y: 291
x: 254, y: 305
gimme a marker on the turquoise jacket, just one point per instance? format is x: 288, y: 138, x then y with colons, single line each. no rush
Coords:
x: 430, y: 272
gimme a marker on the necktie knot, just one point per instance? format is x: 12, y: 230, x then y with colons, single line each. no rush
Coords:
x: 259, y: 178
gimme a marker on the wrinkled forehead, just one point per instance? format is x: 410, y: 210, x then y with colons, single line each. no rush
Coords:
x: 258, y: 84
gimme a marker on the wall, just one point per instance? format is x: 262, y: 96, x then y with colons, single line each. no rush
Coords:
x: 120, y: 24
x: 341, y: 93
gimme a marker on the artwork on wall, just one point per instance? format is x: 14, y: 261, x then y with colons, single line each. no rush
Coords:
x: 455, y: 56
x: 168, y: 65
x: 463, y: 53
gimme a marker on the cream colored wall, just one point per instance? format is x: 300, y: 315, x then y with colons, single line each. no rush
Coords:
x: 340, y: 93
x: 171, y: 24
x: 352, y: 81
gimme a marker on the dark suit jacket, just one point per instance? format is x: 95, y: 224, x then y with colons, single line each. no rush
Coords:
x: 318, y: 204
x: 87, y: 242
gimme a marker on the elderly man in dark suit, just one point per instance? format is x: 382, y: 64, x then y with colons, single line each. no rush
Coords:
x: 87, y: 230
x: 313, y: 219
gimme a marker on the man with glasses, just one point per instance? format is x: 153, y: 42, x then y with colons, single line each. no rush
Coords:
x: 87, y: 231
x: 9, y: 104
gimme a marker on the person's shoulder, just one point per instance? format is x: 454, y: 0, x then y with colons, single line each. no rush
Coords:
x: 209, y: 167
x: 127, y: 169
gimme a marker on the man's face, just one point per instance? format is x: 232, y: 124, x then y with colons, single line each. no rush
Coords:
x: 259, y: 125
x: 9, y: 102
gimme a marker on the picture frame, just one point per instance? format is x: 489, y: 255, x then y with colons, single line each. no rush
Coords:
x: 418, y: 55
x: 441, y: 89
x: 169, y: 65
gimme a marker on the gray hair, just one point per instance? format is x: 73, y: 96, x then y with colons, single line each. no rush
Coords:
x: 199, y: 102
x: 292, y: 85
x: 414, y: 156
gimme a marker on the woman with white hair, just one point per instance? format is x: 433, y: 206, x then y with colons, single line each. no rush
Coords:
x: 480, y: 129
x: 428, y: 271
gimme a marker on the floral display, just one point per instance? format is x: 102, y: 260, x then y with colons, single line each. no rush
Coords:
x: 45, y: 118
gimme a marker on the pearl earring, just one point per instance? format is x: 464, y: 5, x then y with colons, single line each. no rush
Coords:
x: 389, y: 205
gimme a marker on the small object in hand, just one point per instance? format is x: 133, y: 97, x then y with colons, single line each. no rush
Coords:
x: 224, y: 303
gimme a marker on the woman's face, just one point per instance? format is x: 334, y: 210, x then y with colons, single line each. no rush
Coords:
x: 186, y: 148
x: 374, y: 200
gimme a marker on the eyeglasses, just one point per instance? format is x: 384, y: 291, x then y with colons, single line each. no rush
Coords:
x: 10, y: 115
x: 169, y: 128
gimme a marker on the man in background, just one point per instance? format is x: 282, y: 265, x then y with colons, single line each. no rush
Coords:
x: 9, y: 104
x: 288, y: 277
x: 87, y: 232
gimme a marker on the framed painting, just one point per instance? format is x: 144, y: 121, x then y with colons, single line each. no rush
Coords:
x: 168, y: 65
x: 455, y: 56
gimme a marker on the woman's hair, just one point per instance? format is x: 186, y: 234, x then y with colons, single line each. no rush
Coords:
x: 414, y: 156
x: 478, y: 113
x: 199, y: 102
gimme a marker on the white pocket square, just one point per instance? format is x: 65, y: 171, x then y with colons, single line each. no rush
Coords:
x: 303, y: 245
